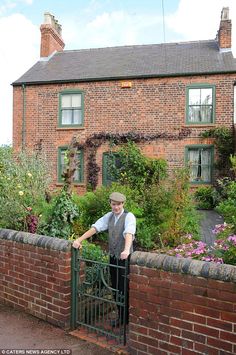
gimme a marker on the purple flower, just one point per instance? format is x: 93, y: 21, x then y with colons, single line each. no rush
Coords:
x: 232, y: 238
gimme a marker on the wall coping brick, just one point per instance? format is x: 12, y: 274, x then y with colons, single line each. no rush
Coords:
x: 42, y: 241
x: 222, y: 272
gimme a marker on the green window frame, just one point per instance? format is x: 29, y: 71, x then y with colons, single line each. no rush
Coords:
x: 200, y: 158
x: 71, y: 108
x: 108, y: 158
x: 200, y: 104
x: 79, y: 174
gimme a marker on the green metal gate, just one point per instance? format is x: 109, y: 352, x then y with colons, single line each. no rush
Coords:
x: 96, y: 305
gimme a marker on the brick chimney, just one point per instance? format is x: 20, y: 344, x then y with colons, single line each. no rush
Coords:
x: 51, y: 39
x: 224, y: 34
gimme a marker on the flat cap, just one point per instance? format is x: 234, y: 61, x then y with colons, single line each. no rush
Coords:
x: 117, y: 197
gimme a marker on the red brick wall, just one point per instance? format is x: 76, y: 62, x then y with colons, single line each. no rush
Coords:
x: 34, y: 278
x: 178, y: 307
x: 149, y: 106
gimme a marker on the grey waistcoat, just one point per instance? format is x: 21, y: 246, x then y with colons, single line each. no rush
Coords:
x: 116, y: 238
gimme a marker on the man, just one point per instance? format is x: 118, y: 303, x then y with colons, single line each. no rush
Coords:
x: 121, y: 227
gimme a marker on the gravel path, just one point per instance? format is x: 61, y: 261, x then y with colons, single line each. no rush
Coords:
x: 208, y: 221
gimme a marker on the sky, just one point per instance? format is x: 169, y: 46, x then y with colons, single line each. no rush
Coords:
x: 96, y: 24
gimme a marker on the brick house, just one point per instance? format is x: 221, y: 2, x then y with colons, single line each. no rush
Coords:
x: 164, y: 89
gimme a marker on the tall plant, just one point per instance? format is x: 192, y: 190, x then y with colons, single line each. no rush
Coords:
x: 24, y: 181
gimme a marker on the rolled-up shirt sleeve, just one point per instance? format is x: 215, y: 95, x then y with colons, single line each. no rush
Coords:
x: 130, y: 224
x: 101, y: 224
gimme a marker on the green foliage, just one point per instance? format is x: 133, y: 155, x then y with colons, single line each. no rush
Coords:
x: 205, y: 197
x: 136, y: 170
x: 232, y: 159
x: 24, y: 180
x: 227, y: 207
x: 59, y: 218
x: 224, y: 143
x: 94, y: 252
x: 93, y: 205
x: 168, y: 213
x: 180, y: 217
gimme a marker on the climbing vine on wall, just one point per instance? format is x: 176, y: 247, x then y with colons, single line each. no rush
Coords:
x: 93, y: 142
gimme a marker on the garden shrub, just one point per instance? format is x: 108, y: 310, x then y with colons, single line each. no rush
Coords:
x: 58, y: 219
x: 93, y: 205
x: 24, y: 181
x: 205, y: 197
x: 227, y: 207
x: 135, y: 169
x: 180, y: 217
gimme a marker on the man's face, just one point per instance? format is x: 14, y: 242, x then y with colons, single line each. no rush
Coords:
x: 116, y: 207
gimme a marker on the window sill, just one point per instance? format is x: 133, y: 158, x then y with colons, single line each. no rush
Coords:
x: 200, y: 125
x: 69, y: 128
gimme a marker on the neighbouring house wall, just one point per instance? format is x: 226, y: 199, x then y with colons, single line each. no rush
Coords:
x: 181, y: 306
x: 35, y: 275
x: 155, y: 105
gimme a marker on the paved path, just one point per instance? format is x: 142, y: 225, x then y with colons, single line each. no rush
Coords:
x: 19, y: 330
x: 208, y: 221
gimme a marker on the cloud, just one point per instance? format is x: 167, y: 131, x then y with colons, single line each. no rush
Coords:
x: 9, y: 5
x: 19, y: 50
x: 196, y: 20
x: 109, y: 29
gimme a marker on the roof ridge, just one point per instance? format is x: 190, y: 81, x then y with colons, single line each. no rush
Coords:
x: 134, y: 45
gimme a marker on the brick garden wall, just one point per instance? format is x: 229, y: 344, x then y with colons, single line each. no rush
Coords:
x: 35, y: 275
x: 177, y: 306
x: 181, y: 306
x: 150, y: 106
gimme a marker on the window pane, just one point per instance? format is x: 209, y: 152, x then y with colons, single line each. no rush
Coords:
x: 193, y: 156
x: 194, y: 97
x: 194, y: 173
x: 62, y: 165
x: 76, y: 100
x: 66, y: 116
x: 206, y: 173
x: 66, y: 101
x: 206, y: 156
x: 206, y: 96
x: 194, y: 114
x: 200, y: 164
x: 200, y: 114
x: 206, y: 113
x: 77, y: 117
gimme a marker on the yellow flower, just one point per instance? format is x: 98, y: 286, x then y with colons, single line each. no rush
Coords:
x: 21, y: 193
x: 19, y: 186
x: 29, y: 175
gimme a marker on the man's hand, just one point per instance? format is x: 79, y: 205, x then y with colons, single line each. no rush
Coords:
x: 124, y: 255
x: 77, y: 244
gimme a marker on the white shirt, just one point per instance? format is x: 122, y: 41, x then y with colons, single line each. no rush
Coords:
x: 101, y: 224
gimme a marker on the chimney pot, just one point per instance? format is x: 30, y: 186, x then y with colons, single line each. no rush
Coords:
x: 51, y: 39
x: 224, y: 34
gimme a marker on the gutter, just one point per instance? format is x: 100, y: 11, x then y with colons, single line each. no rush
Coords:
x: 125, y: 77
x: 23, y: 132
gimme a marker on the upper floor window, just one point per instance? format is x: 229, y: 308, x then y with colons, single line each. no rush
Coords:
x: 200, y: 104
x: 71, y: 109
x: 62, y: 157
x: 200, y: 160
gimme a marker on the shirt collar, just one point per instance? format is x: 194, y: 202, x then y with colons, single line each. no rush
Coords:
x: 118, y: 215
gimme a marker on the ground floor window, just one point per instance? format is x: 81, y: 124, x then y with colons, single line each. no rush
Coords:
x: 110, y: 167
x: 62, y: 154
x: 200, y: 160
